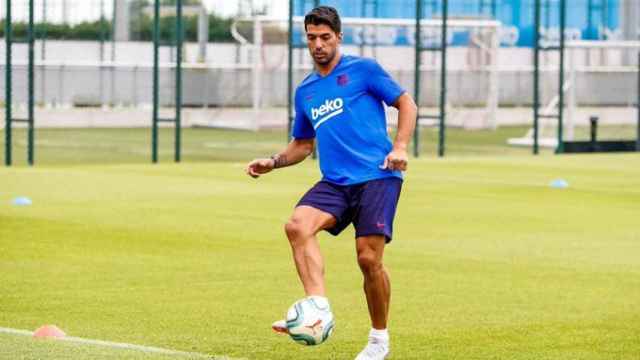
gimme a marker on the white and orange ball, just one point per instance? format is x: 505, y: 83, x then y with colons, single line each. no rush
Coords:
x: 310, y: 321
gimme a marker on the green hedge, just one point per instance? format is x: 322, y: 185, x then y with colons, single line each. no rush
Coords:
x: 219, y: 28
x: 141, y: 29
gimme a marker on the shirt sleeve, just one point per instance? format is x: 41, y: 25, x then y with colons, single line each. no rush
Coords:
x: 302, y: 127
x: 382, y: 85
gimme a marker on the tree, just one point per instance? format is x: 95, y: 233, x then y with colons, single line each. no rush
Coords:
x: 139, y: 23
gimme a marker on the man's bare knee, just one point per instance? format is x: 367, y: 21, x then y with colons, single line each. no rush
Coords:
x: 369, y: 262
x: 296, y: 230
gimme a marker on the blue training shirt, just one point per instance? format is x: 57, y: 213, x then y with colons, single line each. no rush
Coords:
x: 344, y: 111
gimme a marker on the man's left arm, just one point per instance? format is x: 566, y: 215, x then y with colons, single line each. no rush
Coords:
x: 398, y: 158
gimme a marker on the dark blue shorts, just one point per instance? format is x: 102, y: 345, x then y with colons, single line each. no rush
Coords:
x: 370, y: 206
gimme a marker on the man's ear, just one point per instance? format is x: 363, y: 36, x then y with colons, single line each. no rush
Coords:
x: 340, y: 36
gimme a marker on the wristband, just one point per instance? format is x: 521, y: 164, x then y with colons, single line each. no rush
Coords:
x: 275, y: 158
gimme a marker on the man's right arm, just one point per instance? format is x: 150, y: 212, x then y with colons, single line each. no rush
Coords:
x: 295, y: 152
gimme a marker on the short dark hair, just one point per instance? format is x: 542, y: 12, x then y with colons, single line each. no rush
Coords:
x: 324, y: 15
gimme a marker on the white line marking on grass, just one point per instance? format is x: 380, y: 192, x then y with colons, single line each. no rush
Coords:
x: 147, y: 349
x: 16, y: 331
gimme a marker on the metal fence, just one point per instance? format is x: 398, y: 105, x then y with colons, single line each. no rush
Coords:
x: 107, y: 82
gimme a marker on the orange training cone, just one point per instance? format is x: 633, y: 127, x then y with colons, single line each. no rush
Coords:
x: 49, y: 331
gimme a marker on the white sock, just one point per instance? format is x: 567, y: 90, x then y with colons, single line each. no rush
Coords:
x: 320, y: 300
x: 382, y: 335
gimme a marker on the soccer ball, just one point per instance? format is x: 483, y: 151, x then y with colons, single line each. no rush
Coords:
x: 310, y: 321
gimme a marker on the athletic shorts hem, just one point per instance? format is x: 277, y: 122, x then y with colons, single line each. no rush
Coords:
x: 387, y: 237
x: 332, y: 231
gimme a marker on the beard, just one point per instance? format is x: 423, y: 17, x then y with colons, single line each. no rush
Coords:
x: 323, y: 58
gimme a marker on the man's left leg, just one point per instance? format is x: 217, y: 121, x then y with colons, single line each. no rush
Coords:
x: 377, y: 288
x: 374, y: 228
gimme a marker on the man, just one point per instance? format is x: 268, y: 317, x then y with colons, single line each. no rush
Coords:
x: 340, y: 104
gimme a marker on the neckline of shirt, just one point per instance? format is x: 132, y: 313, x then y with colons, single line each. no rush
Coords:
x: 333, y: 71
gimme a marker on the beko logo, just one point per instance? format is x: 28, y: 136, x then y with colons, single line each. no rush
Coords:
x: 331, y: 107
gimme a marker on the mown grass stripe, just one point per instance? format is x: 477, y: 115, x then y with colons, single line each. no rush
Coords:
x: 117, y: 345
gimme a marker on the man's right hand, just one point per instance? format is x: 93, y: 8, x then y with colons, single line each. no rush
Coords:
x: 259, y: 166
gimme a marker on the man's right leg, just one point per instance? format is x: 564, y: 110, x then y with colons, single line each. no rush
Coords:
x: 305, y: 223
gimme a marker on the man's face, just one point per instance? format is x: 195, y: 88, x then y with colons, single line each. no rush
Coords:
x: 323, y: 43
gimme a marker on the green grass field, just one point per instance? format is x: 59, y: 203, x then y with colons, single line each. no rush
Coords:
x: 120, y: 146
x: 488, y: 261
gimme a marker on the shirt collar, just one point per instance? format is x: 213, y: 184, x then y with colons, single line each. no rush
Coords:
x: 317, y: 74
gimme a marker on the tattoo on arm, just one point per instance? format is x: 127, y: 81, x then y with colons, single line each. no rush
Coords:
x: 279, y: 161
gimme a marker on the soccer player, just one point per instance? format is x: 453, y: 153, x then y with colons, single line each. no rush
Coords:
x: 340, y: 105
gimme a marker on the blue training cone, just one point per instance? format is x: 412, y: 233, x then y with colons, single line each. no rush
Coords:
x: 22, y: 201
x: 559, y: 184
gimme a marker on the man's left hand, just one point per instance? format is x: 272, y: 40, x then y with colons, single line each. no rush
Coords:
x: 396, y: 160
